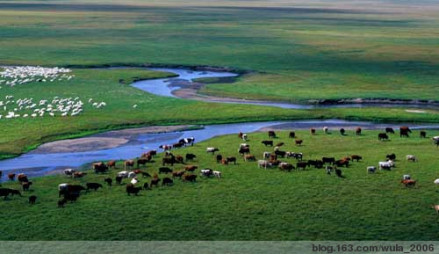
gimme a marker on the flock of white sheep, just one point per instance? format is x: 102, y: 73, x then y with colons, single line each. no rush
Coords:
x: 57, y: 106
x: 18, y: 75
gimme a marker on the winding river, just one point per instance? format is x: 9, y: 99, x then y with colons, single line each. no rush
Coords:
x: 53, y: 157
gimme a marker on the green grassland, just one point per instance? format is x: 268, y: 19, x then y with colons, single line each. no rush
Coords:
x: 307, y: 50
x: 248, y: 203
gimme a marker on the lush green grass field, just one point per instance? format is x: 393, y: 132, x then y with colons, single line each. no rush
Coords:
x: 249, y: 203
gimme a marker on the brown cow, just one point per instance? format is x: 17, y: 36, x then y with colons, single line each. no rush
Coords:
x: 111, y: 164
x: 358, y: 131
x: 190, y: 178
x: 408, y: 183
x: 404, y: 131
x: 22, y: 178
x: 11, y: 176
x: 313, y: 131
x: 155, y: 181
x: 356, y: 157
x: 142, y: 161
x: 224, y: 162
x: 79, y: 174
x: 178, y: 174
x: 190, y: 168
x: 298, y: 142
x: 128, y: 163
x: 170, y: 161
x: 249, y: 157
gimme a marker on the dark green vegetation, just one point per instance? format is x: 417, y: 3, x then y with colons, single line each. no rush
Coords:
x: 249, y: 203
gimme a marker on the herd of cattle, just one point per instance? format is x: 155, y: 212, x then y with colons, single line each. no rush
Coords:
x: 277, y: 158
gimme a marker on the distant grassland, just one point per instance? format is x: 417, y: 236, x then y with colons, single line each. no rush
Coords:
x: 310, y: 49
x: 249, y: 203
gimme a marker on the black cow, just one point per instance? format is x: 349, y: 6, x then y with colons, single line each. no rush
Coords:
x: 383, y: 136
x: 167, y: 181
x: 267, y: 142
x: 190, y: 156
x: 94, y: 186
x: 292, y: 134
x: 390, y: 130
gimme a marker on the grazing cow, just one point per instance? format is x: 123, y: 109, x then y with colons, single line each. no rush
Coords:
x: 341, y: 163
x: 187, y: 141
x: 313, y: 131
x: 94, y: 186
x: 404, y: 131
x: 32, y: 199
x: 316, y: 163
x: 22, y: 178
x: 123, y: 174
x: 330, y: 160
x: 292, y: 134
x: 150, y: 153
x: 142, y: 161
x: 271, y: 134
x: 297, y: 156
x: 119, y: 179
x: 436, y: 140
x: 11, y: 176
x: 128, y: 163
x: 224, y: 162
x: 207, y: 172
x: 219, y: 158
x: 217, y: 174
x: 266, y: 155
x: 69, y: 171
x: 244, y: 150
x: 240, y: 134
x: 244, y: 137
x: 179, y: 159
x: 155, y: 181
x: 26, y: 185
x: 168, y: 161
x: 298, y: 142
x: 111, y: 164
x: 422, y: 134
x: 132, y: 174
x: 371, y: 169
x: 408, y: 183
x: 273, y: 157
x: 109, y: 181
x: 264, y: 164
x: 390, y: 130
x: 178, y: 174
x: 231, y: 159
x: 267, y: 142
x: 342, y: 131
x: 284, y: 166
x: 280, y: 144
x: 79, y: 174
x: 130, y: 189
x: 391, y: 156
x: 356, y: 157
x: 358, y: 131
x: 280, y: 153
x: 167, y: 181
x: 166, y: 147
x: 100, y: 167
x: 244, y: 145
x: 165, y: 170
x: 383, y: 136
x: 190, y: 168
x: 212, y: 150
x: 325, y: 129
x: 177, y: 145
x: 249, y: 157
x: 302, y: 165
x: 411, y: 158
x: 387, y: 165
x: 4, y: 192
x: 190, y: 156
x: 190, y: 178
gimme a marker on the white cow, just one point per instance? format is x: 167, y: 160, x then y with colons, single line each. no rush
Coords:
x: 123, y: 174
x: 217, y: 174
x: 411, y: 158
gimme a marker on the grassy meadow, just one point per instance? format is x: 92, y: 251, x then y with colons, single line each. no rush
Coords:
x: 248, y: 203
